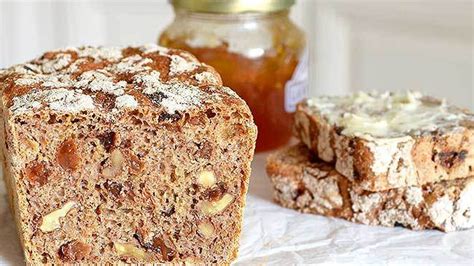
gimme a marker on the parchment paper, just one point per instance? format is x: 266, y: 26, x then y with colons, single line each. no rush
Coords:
x: 273, y: 235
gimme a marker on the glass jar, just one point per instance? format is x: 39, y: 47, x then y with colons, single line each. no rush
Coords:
x: 257, y: 50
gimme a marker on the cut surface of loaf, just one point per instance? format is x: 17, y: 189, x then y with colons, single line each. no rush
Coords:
x: 301, y: 182
x: 133, y: 154
x: 389, y: 140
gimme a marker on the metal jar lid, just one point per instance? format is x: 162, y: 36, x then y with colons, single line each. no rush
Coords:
x: 232, y: 6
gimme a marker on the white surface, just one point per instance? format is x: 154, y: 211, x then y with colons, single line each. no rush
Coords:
x: 273, y: 235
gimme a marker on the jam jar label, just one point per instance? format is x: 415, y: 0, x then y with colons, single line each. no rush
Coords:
x: 296, y: 89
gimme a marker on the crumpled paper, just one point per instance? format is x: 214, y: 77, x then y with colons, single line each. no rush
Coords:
x: 273, y: 235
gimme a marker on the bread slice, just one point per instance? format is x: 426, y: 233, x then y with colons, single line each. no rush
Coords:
x: 301, y: 182
x: 135, y: 155
x: 389, y: 140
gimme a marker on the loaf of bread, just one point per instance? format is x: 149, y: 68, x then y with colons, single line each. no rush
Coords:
x: 389, y: 140
x: 303, y: 183
x: 134, y: 154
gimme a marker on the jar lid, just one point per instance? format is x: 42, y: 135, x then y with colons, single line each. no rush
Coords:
x: 232, y: 6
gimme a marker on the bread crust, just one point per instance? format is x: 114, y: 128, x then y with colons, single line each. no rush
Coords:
x: 302, y: 183
x: 381, y: 164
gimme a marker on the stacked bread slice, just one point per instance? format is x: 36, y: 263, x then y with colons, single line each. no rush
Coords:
x: 391, y: 159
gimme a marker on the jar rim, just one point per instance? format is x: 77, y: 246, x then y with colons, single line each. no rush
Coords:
x: 232, y: 6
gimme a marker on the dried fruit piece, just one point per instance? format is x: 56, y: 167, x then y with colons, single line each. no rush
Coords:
x: 108, y: 140
x: 159, y: 245
x: 118, y: 190
x: 116, y: 164
x: 206, y: 229
x: 215, y: 193
x: 135, y: 164
x: 67, y: 155
x: 215, y: 207
x: 206, y: 178
x: 74, y: 251
x: 51, y: 221
x: 37, y: 173
x: 130, y: 250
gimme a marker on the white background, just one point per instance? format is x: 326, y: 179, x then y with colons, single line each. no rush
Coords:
x: 425, y: 45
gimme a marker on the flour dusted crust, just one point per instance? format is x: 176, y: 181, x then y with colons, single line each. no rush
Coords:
x: 76, y: 79
x: 301, y: 182
x: 132, y: 154
x: 383, y: 141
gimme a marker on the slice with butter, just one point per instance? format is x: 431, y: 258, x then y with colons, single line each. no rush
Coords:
x: 389, y: 140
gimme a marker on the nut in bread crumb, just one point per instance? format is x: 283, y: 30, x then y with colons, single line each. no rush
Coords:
x: 51, y: 221
x: 193, y: 261
x: 74, y: 251
x: 215, y: 207
x: 108, y: 140
x: 29, y: 148
x: 116, y: 158
x: 130, y: 250
x: 116, y: 164
x: 68, y: 156
x: 206, y: 179
x: 206, y: 229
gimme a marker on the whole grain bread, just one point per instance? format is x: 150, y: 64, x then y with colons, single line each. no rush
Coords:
x: 133, y: 154
x: 303, y: 183
x: 390, y: 140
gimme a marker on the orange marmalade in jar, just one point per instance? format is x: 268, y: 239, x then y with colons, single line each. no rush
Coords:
x: 256, y: 49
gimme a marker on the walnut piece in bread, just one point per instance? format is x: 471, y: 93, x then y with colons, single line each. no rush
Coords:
x: 301, y: 182
x: 120, y: 154
x: 389, y: 140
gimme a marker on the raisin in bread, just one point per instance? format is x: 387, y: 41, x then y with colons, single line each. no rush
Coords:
x: 303, y: 183
x: 389, y: 140
x: 134, y: 154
